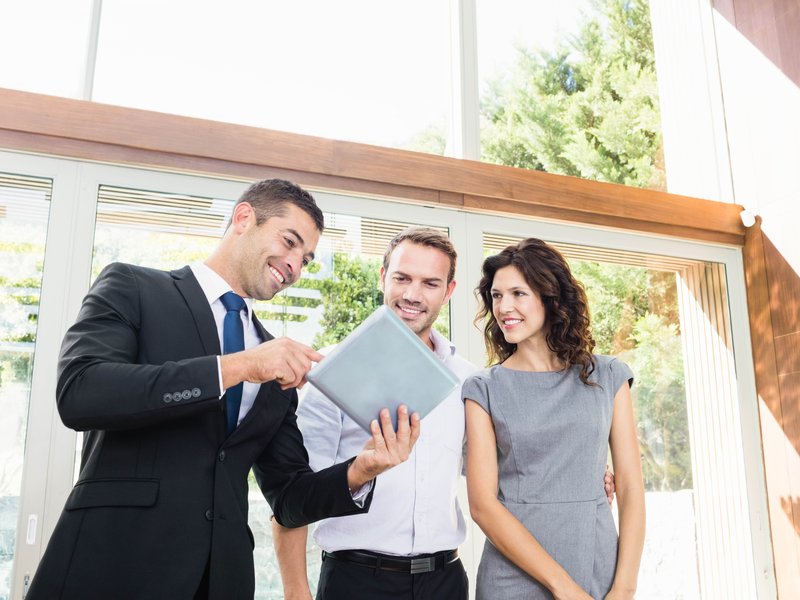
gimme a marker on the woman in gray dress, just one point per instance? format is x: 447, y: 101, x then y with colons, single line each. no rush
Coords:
x: 539, y: 426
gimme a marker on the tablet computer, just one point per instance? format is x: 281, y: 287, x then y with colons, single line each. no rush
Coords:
x: 382, y: 363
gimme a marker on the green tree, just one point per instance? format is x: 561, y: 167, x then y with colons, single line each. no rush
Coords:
x: 660, y: 404
x: 349, y: 297
x: 588, y: 109
x: 635, y: 316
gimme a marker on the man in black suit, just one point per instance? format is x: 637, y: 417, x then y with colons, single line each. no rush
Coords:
x: 160, y: 506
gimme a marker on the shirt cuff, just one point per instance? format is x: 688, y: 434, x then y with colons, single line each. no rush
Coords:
x: 219, y: 375
x: 360, y: 495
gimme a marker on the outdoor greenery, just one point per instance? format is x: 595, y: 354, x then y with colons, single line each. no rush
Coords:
x: 588, y: 108
x: 635, y: 317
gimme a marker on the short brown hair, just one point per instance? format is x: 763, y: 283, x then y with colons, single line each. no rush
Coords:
x: 424, y: 236
x: 269, y: 198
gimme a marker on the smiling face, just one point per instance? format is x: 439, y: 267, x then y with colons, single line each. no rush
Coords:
x: 415, y: 285
x: 517, y: 308
x: 269, y: 257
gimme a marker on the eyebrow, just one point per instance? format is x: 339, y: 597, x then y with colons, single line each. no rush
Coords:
x: 511, y: 289
x: 423, y: 279
x: 295, y: 233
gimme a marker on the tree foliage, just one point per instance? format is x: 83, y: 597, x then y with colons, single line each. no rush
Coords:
x: 348, y: 297
x: 635, y: 316
x: 588, y: 108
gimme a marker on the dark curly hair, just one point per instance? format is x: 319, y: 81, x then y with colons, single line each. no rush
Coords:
x: 564, y: 299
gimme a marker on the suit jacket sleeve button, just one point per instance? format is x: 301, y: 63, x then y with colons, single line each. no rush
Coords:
x: 210, y: 514
x: 167, y: 398
x: 196, y: 392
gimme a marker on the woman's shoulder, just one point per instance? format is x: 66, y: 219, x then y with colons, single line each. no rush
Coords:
x: 607, y: 361
x: 611, y: 368
x: 481, y: 375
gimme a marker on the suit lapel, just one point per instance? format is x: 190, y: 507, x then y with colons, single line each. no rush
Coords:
x: 195, y: 299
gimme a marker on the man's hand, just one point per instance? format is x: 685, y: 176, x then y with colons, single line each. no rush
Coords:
x: 385, y: 449
x: 281, y: 359
x: 609, y: 485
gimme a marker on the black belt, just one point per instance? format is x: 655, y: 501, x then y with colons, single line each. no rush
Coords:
x: 423, y: 563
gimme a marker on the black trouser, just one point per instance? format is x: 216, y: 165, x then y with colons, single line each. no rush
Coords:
x: 340, y: 579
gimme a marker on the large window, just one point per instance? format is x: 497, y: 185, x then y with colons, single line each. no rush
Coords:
x: 374, y: 72
x: 24, y: 211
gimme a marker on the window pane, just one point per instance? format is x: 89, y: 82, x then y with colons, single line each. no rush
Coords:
x: 570, y: 88
x: 337, y: 291
x: 374, y: 72
x: 634, y: 306
x: 44, y: 44
x: 24, y: 210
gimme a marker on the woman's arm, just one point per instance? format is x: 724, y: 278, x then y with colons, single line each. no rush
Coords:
x: 507, y: 534
x: 630, y: 495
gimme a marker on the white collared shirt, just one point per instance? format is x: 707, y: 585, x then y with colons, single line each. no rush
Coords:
x: 414, y: 508
x: 214, y: 287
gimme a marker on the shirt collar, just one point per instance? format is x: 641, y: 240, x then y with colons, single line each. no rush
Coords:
x: 442, y: 347
x: 213, y: 285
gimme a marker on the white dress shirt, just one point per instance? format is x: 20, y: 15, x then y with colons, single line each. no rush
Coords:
x: 414, y: 507
x: 214, y: 287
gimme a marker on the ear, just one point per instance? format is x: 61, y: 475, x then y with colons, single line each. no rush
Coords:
x: 243, y: 217
x: 450, y: 289
x: 383, y: 277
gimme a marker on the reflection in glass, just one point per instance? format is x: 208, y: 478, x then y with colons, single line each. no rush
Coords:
x: 24, y: 210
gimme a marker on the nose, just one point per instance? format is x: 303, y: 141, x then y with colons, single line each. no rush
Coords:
x: 411, y: 293
x: 505, y: 304
x: 294, y: 264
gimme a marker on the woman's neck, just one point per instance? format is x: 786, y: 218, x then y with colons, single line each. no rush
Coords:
x: 534, y: 355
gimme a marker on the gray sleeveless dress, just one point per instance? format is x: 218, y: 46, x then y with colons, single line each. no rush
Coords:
x: 552, y: 448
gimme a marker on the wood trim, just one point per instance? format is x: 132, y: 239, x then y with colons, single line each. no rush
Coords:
x: 762, y: 335
x: 100, y: 132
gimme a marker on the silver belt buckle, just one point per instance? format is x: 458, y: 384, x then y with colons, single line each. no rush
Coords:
x: 422, y: 565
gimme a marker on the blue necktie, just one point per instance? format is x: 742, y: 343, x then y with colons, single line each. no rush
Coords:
x: 232, y: 341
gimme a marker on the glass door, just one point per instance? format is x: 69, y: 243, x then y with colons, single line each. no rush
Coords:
x: 24, y: 214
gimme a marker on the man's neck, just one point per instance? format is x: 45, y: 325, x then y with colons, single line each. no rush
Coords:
x: 425, y: 336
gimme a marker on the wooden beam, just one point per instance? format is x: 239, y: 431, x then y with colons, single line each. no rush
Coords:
x: 93, y: 131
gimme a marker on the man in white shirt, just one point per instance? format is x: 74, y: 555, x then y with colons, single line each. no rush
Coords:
x: 406, y: 546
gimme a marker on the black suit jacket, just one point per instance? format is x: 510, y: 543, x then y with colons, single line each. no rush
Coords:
x: 162, y: 491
